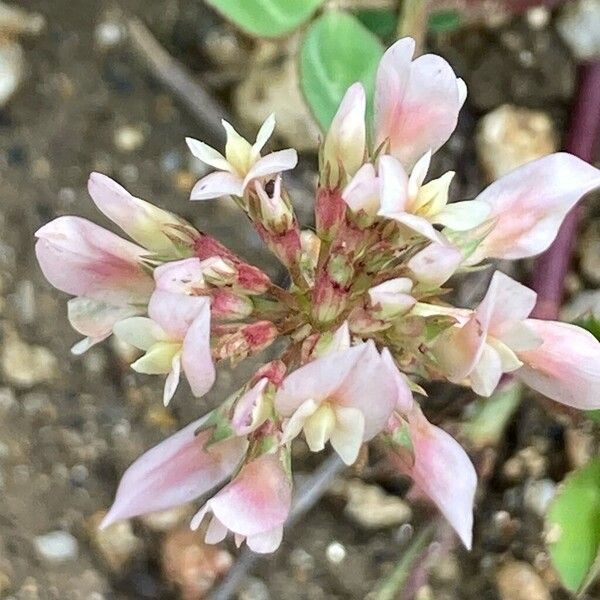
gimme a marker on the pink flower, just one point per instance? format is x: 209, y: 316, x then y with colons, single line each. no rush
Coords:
x: 442, y: 470
x: 151, y: 227
x: 254, y: 506
x: 416, y: 102
x: 176, y: 335
x: 499, y: 338
x: 104, y: 271
x: 178, y: 470
x: 529, y: 204
x: 340, y: 397
x: 241, y: 164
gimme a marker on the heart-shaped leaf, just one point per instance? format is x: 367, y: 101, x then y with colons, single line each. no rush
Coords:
x: 266, y: 18
x: 337, y: 51
x: 573, y: 528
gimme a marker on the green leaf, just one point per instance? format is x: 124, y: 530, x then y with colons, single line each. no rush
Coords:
x: 573, y: 528
x: 337, y: 51
x: 489, y: 416
x: 594, y: 415
x: 381, y: 21
x: 266, y: 18
x: 442, y: 21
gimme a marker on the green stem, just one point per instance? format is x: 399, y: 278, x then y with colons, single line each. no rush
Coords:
x: 412, y: 22
x: 393, y: 585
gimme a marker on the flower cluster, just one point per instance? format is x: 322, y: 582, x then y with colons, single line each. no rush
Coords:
x: 365, y: 316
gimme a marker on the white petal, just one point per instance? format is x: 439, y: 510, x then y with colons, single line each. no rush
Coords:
x: 461, y: 216
x: 172, y: 380
x: 140, y: 332
x: 296, y: 422
x: 208, y: 155
x: 264, y: 133
x: 347, y: 436
x: 271, y: 164
x: 217, y: 184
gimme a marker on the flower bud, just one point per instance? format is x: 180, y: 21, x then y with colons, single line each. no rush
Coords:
x: 392, y: 298
x: 276, y: 212
x: 435, y: 264
x: 330, y: 211
x: 219, y: 271
x: 229, y: 306
x: 245, y: 340
x: 344, y: 146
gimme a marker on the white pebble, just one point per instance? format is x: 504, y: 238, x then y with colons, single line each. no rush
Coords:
x: 56, y: 547
x: 335, y: 553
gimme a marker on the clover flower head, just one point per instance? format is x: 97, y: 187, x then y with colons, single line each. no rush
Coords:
x: 363, y: 318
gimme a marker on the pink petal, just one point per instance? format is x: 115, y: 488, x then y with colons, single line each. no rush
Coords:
x: 176, y: 471
x: 181, y: 276
x: 217, y: 184
x: 175, y: 313
x: 566, y: 367
x: 404, y: 397
x: 509, y: 302
x: 416, y: 104
x: 345, y: 141
x: 443, y: 471
x: 258, y: 500
x: 265, y: 543
x: 139, y: 219
x: 243, y: 414
x: 365, y: 389
x: 530, y: 203
x: 196, y: 358
x: 317, y: 380
x: 435, y: 264
x: 83, y: 259
x: 271, y: 164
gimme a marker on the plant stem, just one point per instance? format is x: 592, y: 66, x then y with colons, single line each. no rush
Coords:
x: 412, y: 22
x: 551, y: 268
x: 392, y: 587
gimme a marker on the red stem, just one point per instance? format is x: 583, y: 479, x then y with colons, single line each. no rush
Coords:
x: 551, y: 268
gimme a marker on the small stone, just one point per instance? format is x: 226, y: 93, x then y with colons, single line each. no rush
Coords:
x: 109, y: 34
x: 116, y: 544
x: 128, y: 138
x: 167, y: 519
x: 579, y: 26
x: 56, y: 547
x: 510, y: 136
x: 26, y: 365
x: 370, y: 506
x: 335, y: 553
x: 538, y: 495
x: 191, y: 564
x: 538, y: 17
x: 518, y: 581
